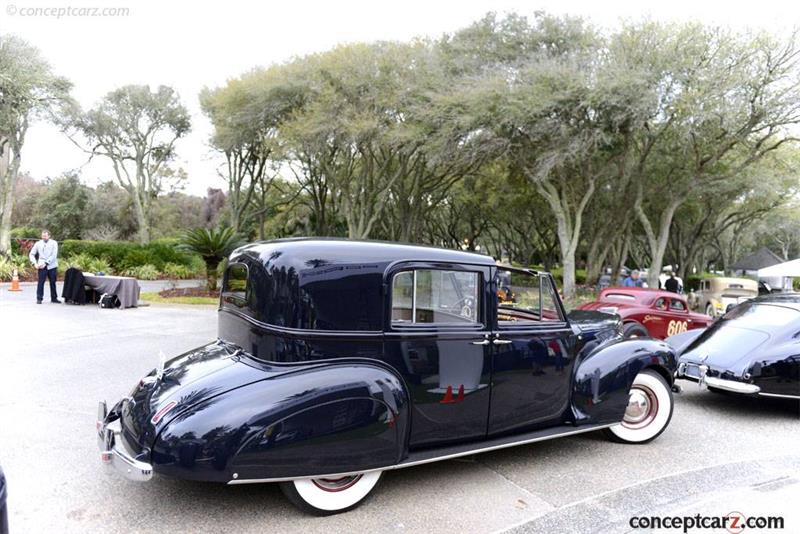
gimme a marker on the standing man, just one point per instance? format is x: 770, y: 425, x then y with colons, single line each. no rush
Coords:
x: 633, y: 280
x: 44, y: 256
x: 672, y: 283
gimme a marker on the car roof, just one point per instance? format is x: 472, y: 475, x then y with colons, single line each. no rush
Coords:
x: 789, y: 300
x: 308, y: 250
x: 747, y: 283
x: 642, y: 294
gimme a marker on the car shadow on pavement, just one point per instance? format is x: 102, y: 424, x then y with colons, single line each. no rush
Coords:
x: 741, y: 405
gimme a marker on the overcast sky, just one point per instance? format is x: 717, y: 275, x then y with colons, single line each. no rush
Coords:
x: 189, y: 46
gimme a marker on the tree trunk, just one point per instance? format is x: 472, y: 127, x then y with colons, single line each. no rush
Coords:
x: 568, y: 232
x: 657, y: 243
x: 141, y: 220
x: 622, y: 257
x: 9, y: 170
x: 596, y: 259
x: 211, y: 275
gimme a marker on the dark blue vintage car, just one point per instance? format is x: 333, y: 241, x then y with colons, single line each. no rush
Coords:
x: 754, y: 349
x: 338, y: 360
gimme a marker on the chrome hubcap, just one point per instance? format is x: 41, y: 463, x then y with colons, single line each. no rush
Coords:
x: 642, y: 408
x: 637, y: 406
x: 336, y: 484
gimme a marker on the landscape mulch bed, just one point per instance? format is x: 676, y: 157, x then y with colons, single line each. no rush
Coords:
x: 188, y: 292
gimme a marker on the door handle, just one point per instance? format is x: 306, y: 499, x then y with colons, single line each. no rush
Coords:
x: 501, y: 341
x: 484, y: 342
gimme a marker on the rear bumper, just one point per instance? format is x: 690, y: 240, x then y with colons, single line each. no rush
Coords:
x: 698, y: 373
x: 112, y: 449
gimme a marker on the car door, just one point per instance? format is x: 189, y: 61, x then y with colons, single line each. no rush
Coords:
x: 533, y: 352
x: 677, y: 317
x: 438, y: 338
x: 657, y: 321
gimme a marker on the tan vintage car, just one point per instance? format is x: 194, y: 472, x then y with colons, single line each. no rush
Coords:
x: 717, y: 295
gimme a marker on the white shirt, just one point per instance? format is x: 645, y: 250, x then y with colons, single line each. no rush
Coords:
x: 48, y: 252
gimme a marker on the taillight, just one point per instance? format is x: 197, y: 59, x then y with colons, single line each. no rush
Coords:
x: 163, y: 411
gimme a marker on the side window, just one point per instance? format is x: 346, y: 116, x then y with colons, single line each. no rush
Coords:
x: 431, y: 296
x: 661, y: 304
x: 234, y: 289
x: 525, y: 297
x: 676, y: 305
x: 550, y: 310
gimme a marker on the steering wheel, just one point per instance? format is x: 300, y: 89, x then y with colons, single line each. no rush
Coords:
x: 466, y: 305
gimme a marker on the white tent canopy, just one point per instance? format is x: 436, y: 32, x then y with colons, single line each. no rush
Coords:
x: 789, y: 269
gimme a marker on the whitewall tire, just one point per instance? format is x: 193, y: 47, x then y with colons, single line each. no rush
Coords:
x: 648, y: 412
x: 326, y: 496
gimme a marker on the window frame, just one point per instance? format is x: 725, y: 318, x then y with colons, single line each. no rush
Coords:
x: 223, y: 292
x: 544, y: 278
x: 684, y: 307
x: 481, y: 323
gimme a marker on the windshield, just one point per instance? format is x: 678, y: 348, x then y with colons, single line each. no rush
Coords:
x: 758, y: 315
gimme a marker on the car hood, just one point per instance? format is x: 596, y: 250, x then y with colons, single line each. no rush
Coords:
x: 726, y: 348
x: 594, y: 326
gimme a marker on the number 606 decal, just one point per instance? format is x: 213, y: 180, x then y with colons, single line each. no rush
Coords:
x: 677, y: 327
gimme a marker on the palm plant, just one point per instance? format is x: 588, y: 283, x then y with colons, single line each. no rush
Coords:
x: 213, y: 246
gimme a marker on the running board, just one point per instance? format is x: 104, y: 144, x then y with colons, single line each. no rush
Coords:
x: 455, y: 451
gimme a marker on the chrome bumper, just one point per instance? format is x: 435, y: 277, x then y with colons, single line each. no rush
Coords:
x: 113, y: 452
x: 698, y: 373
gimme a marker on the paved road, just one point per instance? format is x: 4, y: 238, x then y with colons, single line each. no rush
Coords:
x: 719, y: 454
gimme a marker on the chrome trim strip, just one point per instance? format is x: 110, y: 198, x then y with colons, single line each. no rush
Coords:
x: 403, y: 465
x: 778, y: 395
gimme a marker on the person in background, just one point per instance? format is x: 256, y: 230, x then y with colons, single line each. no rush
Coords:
x: 672, y: 284
x: 44, y: 256
x: 605, y: 279
x: 633, y: 280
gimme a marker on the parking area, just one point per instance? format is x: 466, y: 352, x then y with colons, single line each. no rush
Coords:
x: 719, y: 455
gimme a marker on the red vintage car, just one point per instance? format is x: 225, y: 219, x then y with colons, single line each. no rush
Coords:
x: 648, y: 312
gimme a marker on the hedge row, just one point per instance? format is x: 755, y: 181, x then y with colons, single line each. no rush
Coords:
x: 123, y: 255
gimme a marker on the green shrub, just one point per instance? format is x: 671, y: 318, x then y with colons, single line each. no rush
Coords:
x: 174, y: 271
x: 9, y: 263
x: 197, y: 266
x: 87, y: 263
x: 692, y: 283
x: 143, y: 272
x: 558, y: 274
x: 26, y: 232
x: 6, y: 269
x: 124, y: 255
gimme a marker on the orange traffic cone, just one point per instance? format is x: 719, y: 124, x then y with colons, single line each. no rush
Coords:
x: 460, y: 393
x: 448, y: 396
x: 15, y: 282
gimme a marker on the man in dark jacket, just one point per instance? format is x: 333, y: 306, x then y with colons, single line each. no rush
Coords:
x: 672, y: 284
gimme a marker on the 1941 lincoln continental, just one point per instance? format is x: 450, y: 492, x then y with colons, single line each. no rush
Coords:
x: 339, y: 360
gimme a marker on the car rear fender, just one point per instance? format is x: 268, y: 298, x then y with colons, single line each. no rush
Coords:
x: 344, y: 416
x: 604, y: 378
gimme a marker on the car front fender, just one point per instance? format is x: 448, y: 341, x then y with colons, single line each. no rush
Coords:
x: 604, y: 378
x: 346, y: 416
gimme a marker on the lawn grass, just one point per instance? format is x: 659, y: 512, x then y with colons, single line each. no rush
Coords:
x: 156, y: 298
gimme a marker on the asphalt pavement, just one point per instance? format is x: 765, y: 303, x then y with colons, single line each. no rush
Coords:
x: 720, y: 454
